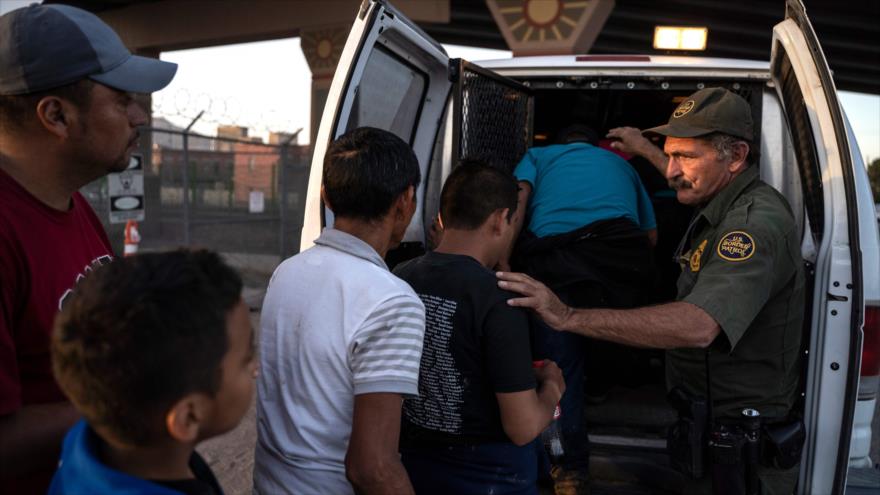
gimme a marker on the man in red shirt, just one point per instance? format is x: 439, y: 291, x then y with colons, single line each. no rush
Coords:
x: 67, y: 117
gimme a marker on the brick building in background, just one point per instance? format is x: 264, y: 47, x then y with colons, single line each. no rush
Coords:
x: 256, y: 165
x: 224, y: 173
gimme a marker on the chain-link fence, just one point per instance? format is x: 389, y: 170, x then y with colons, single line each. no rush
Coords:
x: 238, y: 196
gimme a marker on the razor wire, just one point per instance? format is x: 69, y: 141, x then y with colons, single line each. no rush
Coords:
x: 185, y: 105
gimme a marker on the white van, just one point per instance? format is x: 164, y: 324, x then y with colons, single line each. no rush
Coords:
x: 393, y: 76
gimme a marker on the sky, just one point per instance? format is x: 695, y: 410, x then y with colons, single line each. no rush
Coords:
x: 266, y: 86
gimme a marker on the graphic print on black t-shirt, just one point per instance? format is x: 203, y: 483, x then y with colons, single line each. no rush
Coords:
x: 441, y: 390
x: 475, y: 346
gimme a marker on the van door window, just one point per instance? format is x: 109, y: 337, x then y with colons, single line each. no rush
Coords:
x: 389, y: 96
x: 804, y: 144
x: 392, y: 76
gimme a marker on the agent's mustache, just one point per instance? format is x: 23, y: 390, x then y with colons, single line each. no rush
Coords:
x: 680, y: 183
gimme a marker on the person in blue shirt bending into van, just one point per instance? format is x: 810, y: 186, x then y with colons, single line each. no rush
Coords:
x: 589, y: 234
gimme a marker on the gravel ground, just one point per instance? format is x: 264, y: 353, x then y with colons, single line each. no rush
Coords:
x: 231, y: 456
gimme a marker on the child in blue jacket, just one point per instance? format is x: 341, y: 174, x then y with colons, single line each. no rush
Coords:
x: 156, y: 351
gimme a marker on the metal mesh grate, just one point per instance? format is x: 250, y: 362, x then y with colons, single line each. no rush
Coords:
x: 752, y: 93
x: 494, y: 119
x: 742, y: 90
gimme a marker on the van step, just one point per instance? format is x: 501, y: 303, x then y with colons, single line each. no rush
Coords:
x: 633, y: 473
x: 630, y: 442
x: 599, y: 488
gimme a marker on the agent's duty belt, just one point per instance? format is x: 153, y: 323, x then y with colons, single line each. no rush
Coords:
x: 731, y: 449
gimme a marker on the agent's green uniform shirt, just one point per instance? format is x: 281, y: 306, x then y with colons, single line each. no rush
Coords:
x: 743, y: 267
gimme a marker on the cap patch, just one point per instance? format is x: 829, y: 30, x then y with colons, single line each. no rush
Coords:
x: 736, y: 246
x: 698, y: 254
x: 683, y: 109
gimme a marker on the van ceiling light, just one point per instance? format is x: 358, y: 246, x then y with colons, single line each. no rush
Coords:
x: 680, y: 38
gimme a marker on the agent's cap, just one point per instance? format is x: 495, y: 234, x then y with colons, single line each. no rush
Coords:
x: 706, y: 111
x: 46, y: 46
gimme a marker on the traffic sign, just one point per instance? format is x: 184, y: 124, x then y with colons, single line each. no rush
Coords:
x: 126, y: 191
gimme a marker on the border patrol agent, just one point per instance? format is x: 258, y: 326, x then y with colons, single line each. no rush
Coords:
x: 734, y: 333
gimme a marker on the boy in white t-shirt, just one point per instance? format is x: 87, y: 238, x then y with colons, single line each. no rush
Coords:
x: 341, y: 337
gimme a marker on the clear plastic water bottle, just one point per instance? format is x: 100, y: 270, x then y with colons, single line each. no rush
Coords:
x: 551, y: 437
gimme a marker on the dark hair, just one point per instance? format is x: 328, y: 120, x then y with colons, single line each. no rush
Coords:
x: 140, y: 333
x: 16, y: 110
x: 365, y: 170
x: 577, y: 133
x: 473, y: 191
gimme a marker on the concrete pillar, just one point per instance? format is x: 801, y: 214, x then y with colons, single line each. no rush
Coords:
x: 322, y: 48
x: 550, y: 27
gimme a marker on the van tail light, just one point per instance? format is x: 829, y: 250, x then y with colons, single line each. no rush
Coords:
x: 871, y: 344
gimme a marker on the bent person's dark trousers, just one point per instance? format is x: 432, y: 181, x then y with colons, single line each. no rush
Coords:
x: 608, y: 263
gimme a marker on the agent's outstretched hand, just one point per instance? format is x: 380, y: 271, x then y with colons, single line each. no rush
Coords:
x: 536, y: 296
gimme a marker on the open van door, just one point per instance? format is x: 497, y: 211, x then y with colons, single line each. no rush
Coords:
x: 492, y: 116
x: 805, y: 86
x: 393, y: 76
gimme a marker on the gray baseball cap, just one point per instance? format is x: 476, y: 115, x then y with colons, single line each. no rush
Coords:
x: 47, y: 46
x: 706, y: 111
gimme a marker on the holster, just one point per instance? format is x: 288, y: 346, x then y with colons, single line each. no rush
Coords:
x: 737, y: 448
x: 686, y: 439
x: 783, y: 444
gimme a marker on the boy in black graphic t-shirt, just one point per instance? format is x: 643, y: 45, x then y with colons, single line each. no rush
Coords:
x: 480, y: 403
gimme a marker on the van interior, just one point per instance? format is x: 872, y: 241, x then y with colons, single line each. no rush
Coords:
x: 627, y: 414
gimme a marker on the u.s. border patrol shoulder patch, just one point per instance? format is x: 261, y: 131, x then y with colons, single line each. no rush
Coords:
x: 736, y: 246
